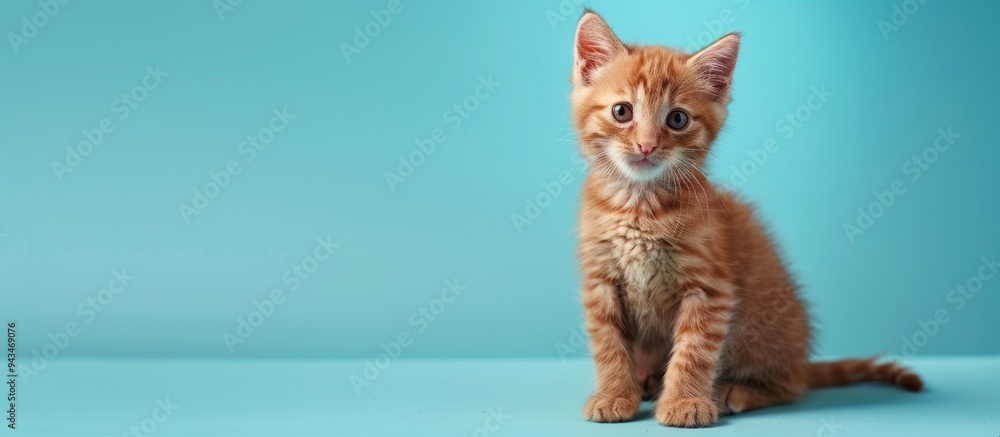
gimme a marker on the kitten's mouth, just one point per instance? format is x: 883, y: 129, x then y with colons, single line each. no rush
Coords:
x: 643, y: 162
x: 641, y: 168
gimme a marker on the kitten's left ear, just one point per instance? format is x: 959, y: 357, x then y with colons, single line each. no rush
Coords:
x: 716, y: 64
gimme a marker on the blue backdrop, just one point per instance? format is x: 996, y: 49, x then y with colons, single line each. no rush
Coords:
x: 305, y: 179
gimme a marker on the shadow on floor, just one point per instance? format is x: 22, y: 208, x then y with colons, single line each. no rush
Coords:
x: 852, y: 396
x: 827, y: 399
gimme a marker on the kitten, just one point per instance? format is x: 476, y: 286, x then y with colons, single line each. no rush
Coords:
x: 685, y: 295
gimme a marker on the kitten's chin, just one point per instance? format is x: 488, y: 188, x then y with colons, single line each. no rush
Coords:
x: 640, y: 169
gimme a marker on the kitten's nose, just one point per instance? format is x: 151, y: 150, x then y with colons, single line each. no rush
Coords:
x: 646, y: 149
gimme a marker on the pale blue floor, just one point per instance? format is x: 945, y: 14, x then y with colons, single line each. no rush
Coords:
x: 75, y: 397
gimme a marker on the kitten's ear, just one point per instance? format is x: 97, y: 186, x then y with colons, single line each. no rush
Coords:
x: 716, y: 64
x: 595, y: 46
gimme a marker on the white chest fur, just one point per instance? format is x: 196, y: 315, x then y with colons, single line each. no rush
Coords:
x: 645, y: 262
x: 648, y: 275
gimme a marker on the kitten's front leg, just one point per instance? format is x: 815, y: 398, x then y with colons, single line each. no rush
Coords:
x: 699, y: 332
x: 618, y: 395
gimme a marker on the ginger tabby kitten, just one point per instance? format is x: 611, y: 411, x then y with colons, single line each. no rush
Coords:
x: 686, y: 297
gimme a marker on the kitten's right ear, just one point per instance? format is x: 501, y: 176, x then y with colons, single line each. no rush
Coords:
x: 595, y: 45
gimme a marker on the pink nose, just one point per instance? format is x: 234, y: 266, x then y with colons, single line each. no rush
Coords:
x: 646, y: 149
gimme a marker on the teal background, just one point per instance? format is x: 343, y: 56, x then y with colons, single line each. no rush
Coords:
x: 325, y: 174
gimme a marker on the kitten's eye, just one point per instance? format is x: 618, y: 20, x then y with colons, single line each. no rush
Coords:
x: 622, y: 112
x: 677, y: 119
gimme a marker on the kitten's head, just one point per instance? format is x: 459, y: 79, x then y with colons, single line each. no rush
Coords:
x: 645, y: 113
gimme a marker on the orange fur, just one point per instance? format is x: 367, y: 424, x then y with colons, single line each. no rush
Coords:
x: 686, y: 297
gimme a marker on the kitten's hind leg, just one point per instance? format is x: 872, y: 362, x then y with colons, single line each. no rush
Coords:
x: 650, y: 366
x: 651, y: 385
x: 738, y: 397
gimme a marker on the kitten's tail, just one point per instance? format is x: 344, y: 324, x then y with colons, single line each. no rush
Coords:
x: 843, y: 372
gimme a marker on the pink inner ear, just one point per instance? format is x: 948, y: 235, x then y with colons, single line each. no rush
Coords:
x: 592, y: 54
x: 720, y: 77
x: 596, y: 44
x: 716, y: 65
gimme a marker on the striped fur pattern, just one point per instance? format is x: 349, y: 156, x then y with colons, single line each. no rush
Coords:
x: 686, y: 298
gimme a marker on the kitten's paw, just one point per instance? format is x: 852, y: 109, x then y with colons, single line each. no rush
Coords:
x: 687, y: 413
x: 607, y: 408
x: 723, y: 401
